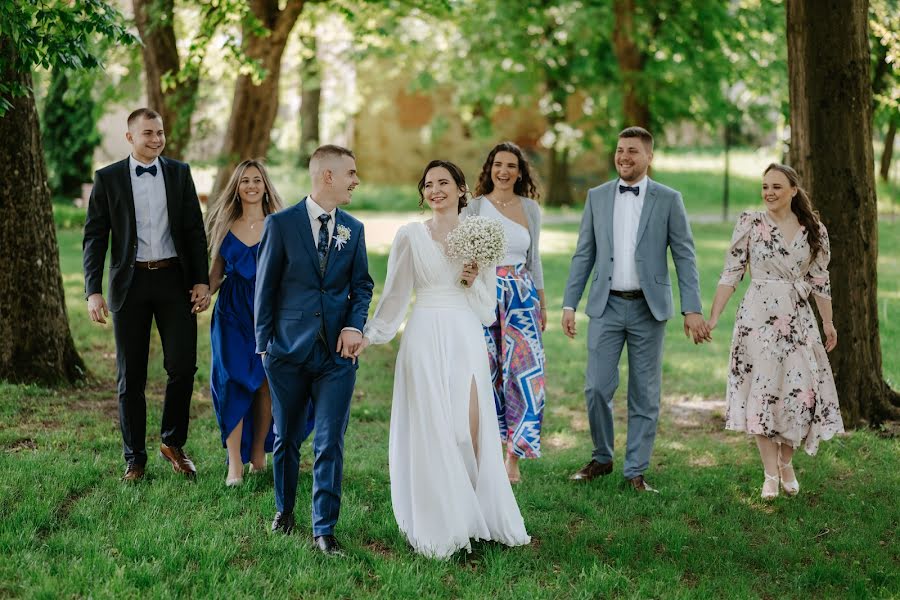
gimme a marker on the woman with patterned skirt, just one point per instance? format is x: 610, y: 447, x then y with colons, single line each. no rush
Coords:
x: 505, y: 192
x: 780, y: 386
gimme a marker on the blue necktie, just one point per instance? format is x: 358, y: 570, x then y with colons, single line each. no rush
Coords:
x: 322, y: 246
x: 141, y: 170
x: 625, y: 188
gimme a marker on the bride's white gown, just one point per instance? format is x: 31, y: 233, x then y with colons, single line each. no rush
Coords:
x: 442, y: 494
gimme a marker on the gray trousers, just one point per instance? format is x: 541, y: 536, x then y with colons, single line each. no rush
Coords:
x: 624, y: 321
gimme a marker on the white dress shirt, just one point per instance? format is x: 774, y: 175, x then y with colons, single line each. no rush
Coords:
x: 151, y: 213
x: 314, y: 211
x: 626, y: 216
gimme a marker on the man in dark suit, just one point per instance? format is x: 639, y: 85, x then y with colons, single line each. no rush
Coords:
x: 158, y: 270
x: 312, y: 298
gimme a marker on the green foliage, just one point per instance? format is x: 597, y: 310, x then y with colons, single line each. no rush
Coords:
x: 69, y: 134
x: 884, y: 30
x: 54, y: 33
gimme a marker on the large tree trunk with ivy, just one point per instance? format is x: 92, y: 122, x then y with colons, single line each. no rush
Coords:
x: 831, y: 148
x: 310, y: 100
x: 255, y: 104
x: 175, y: 101
x: 70, y: 134
x: 35, y: 342
x: 631, y: 59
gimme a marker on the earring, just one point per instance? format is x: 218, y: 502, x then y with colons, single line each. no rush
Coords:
x: 266, y: 197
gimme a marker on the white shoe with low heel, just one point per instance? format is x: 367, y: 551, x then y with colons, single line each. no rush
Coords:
x: 791, y: 488
x: 772, y: 491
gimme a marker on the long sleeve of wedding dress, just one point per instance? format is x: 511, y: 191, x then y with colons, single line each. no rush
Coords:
x: 482, y: 296
x: 395, y: 297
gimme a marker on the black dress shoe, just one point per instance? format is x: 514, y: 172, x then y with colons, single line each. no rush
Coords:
x: 327, y: 544
x: 592, y: 470
x: 284, y: 523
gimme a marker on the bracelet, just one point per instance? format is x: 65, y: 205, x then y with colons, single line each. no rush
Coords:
x: 827, y: 322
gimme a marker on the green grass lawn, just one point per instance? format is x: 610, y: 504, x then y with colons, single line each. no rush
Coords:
x: 71, y: 529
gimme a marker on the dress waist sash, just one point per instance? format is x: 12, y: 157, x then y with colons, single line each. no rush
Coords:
x: 445, y: 297
x: 800, y: 286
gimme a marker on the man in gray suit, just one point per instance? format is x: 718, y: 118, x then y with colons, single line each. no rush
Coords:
x: 628, y: 224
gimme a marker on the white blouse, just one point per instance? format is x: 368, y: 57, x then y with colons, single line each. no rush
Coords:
x: 518, y: 240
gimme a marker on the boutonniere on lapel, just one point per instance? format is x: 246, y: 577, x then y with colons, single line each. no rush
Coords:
x: 341, y: 236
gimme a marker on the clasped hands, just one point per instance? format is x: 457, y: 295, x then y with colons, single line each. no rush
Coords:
x: 694, y: 326
x: 98, y: 310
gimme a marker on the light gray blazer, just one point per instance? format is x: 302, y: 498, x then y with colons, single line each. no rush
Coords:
x: 663, y: 225
x: 533, y: 214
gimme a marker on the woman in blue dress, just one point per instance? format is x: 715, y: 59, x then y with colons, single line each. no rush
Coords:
x: 240, y: 392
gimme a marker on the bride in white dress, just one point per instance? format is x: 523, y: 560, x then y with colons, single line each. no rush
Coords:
x: 448, y: 482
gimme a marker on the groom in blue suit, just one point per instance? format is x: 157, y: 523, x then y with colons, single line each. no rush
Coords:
x: 629, y: 226
x: 312, y: 297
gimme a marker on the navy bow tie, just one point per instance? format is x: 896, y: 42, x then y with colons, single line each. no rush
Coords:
x: 141, y: 170
x: 622, y: 189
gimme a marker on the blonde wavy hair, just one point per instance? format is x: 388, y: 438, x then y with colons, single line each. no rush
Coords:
x: 227, y: 206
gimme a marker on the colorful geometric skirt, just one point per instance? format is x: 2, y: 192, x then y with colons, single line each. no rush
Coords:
x: 516, y: 354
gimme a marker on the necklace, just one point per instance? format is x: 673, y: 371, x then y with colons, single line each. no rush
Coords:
x: 253, y: 224
x: 502, y: 204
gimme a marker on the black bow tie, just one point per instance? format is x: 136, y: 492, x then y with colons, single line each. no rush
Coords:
x: 622, y: 189
x: 141, y: 170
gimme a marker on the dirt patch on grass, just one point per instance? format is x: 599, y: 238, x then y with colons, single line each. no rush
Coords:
x: 20, y: 445
x: 378, y: 547
x: 695, y: 412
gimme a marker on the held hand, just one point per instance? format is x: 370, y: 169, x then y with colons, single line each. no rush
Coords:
x: 362, y: 346
x: 713, y: 321
x: 348, y: 343
x: 568, y: 323
x: 469, y: 273
x: 696, y: 328
x: 97, y: 309
x: 830, y: 336
x: 200, y: 298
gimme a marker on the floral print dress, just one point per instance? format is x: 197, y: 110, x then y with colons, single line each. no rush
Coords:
x: 780, y: 384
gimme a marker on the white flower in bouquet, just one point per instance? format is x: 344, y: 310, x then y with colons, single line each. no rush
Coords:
x: 478, y: 240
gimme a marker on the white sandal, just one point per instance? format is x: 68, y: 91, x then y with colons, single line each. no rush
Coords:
x: 769, y: 495
x: 791, y: 488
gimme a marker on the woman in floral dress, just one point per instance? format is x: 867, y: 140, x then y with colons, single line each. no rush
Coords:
x: 780, y: 386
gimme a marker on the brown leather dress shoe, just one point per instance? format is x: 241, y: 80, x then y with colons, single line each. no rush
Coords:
x: 592, y: 470
x: 179, y: 460
x: 640, y: 485
x: 134, y: 472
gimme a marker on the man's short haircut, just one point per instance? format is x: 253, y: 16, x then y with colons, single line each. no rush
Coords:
x: 638, y: 132
x: 143, y: 113
x: 329, y: 151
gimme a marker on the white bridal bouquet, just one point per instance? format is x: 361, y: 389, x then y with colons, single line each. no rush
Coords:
x: 478, y: 240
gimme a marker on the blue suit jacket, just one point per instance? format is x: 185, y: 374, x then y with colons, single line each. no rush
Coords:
x: 293, y: 297
x: 663, y: 226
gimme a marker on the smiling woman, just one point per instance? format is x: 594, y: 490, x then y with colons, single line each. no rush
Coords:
x: 240, y: 392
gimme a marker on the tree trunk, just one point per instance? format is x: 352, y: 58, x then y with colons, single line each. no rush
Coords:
x: 831, y: 148
x: 310, y: 97
x: 254, y: 106
x: 888, y: 153
x: 35, y: 342
x: 635, y: 108
x: 155, y: 20
x: 559, y: 192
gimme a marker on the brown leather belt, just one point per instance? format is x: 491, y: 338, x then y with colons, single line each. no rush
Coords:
x: 629, y: 295
x: 152, y: 265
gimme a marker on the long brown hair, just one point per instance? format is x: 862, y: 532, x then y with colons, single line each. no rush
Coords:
x: 227, y: 207
x: 802, y: 206
x: 524, y: 185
